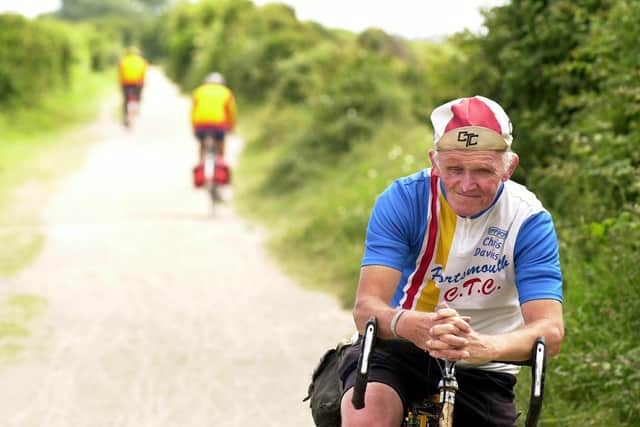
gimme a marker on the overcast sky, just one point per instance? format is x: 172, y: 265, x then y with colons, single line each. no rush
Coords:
x: 29, y: 8
x: 408, y: 18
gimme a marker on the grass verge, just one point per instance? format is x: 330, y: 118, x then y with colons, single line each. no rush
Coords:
x: 38, y: 148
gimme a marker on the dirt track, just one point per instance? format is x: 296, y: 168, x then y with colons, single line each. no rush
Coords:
x: 160, y: 313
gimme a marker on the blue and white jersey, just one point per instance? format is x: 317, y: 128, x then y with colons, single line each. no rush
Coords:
x: 483, y: 266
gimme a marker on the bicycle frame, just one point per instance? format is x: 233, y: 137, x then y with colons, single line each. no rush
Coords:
x: 440, y: 413
x: 448, y: 387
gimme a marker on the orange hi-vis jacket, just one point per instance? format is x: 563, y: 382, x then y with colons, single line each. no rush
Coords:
x: 132, y: 69
x: 213, y: 106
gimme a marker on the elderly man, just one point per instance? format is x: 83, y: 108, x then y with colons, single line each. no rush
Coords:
x: 460, y: 263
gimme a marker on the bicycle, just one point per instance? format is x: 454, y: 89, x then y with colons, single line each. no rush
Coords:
x: 214, y: 173
x: 438, y: 411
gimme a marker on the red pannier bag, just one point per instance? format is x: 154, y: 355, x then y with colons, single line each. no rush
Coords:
x: 198, y: 175
x: 222, y: 174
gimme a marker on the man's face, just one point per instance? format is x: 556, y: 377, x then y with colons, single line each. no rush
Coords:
x: 470, y: 178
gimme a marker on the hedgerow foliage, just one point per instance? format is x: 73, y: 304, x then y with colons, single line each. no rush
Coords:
x: 37, y: 56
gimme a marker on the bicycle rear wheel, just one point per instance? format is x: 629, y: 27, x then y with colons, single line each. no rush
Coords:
x: 210, y: 170
x: 131, y: 106
x: 132, y: 109
x: 214, y: 193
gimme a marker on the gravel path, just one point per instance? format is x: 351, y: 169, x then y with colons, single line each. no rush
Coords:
x: 160, y: 312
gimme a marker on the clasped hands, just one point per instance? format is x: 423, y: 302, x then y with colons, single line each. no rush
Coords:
x: 445, y: 334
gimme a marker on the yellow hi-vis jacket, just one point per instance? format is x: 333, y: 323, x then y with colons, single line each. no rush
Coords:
x: 213, y: 106
x: 132, y: 69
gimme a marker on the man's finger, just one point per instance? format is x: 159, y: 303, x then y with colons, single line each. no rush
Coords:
x: 452, y: 355
x: 445, y: 342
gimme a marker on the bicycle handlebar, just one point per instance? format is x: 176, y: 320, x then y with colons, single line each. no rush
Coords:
x: 362, y: 372
x: 537, y: 362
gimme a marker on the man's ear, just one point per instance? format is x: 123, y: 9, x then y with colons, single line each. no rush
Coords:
x: 512, y: 167
x: 434, y: 163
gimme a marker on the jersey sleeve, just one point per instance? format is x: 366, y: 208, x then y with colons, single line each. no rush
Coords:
x: 232, y: 111
x: 537, y: 260
x: 390, y: 228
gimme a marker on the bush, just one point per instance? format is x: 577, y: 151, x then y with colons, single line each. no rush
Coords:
x: 39, y: 56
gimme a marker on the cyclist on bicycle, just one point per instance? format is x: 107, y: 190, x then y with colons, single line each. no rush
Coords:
x: 460, y: 263
x: 132, y: 70
x: 213, y: 113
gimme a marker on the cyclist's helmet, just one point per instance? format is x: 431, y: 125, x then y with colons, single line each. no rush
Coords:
x: 214, y: 77
x: 132, y: 50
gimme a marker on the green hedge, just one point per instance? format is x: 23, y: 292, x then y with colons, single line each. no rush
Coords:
x: 37, y: 56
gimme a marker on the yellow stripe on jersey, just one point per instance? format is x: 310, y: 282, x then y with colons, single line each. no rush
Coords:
x: 447, y: 220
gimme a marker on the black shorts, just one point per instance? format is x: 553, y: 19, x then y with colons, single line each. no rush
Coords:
x: 216, y: 133
x: 483, y: 398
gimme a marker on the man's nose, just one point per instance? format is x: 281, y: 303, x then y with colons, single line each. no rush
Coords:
x: 468, y: 182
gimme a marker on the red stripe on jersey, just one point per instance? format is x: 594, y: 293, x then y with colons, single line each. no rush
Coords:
x: 418, y: 277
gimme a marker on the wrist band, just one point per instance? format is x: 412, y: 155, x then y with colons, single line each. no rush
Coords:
x: 394, y: 322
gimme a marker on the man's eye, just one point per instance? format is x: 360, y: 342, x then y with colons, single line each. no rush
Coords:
x: 455, y: 171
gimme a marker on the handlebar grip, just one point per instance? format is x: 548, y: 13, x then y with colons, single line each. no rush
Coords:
x: 362, y: 372
x: 538, y: 368
x: 357, y: 400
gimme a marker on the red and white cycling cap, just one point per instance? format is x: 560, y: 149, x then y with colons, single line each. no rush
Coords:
x: 475, y: 123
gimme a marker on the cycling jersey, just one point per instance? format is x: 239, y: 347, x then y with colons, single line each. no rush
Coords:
x: 483, y: 266
x: 213, y: 107
x: 132, y: 70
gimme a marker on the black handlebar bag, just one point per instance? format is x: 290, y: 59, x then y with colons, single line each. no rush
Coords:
x: 325, y: 390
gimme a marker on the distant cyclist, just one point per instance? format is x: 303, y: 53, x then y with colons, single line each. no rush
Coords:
x: 132, y: 70
x: 213, y: 113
